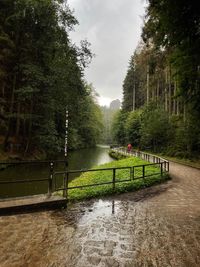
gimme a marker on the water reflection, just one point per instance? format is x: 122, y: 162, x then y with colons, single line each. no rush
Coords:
x: 113, y: 207
x: 88, y: 158
x: 101, y: 209
x: 81, y: 159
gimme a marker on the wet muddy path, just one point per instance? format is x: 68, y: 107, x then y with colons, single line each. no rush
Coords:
x: 158, y: 226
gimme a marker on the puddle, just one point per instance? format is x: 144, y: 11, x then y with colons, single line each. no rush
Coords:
x: 101, y: 208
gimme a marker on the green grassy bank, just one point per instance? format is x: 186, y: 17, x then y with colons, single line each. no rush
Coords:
x: 102, y: 176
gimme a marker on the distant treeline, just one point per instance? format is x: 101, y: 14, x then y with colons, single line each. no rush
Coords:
x: 161, y: 90
x: 108, y: 115
x: 41, y: 74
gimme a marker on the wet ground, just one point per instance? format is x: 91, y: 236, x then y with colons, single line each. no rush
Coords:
x: 158, y: 226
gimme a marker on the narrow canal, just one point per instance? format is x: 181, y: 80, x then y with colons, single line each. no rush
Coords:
x: 80, y: 159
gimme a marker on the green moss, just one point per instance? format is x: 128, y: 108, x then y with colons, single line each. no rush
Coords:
x: 103, y: 176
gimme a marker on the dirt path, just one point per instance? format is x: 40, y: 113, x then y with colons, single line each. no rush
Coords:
x: 158, y: 226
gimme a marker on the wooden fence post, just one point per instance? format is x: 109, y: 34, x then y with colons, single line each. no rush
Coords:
x: 50, y: 182
x: 114, y: 174
x: 161, y: 169
x: 131, y: 173
x: 66, y: 183
x: 143, y: 175
x: 143, y: 171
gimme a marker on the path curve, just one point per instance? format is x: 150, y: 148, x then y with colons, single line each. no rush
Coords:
x: 157, y: 226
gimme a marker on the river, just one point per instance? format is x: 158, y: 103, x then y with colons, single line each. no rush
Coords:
x: 79, y: 159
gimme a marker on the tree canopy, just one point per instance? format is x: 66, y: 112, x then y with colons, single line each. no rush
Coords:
x: 163, y: 80
x: 41, y: 74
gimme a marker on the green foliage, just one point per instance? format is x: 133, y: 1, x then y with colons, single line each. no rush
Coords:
x: 147, y: 128
x: 184, y: 142
x: 108, y: 115
x: 164, y: 69
x: 175, y: 27
x: 116, y: 155
x: 41, y: 73
x: 128, y: 86
x: 133, y: 127
x: 133, y: 81
x: 106, y: 176
x: 118, y: 127
x: 155, y: 128
x: 90, y: 132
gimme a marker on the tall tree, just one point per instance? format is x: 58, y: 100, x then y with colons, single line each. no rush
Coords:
x: 175, y: 27
x: 41, y: 73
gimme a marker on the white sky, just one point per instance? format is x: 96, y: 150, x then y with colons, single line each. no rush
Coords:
x: 113, y: 27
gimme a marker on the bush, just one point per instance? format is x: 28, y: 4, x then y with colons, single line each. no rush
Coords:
x: 133, y: 127
x: 155, y: 128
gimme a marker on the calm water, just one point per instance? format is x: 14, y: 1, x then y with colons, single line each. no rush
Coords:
x: 81, y: 159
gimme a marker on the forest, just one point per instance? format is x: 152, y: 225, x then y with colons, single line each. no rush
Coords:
x: 42, y: 75
x: 161, y: 90
x: 108, y: 114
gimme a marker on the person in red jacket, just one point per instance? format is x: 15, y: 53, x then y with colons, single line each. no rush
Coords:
x: 129, y: 147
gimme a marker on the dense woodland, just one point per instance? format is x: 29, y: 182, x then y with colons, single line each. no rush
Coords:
x: 41, y: 74
x: 161, y: 90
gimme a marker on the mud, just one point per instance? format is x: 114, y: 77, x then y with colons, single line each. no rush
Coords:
x: 158, y: 226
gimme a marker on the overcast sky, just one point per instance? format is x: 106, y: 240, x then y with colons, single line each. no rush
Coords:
x: 113, y: 27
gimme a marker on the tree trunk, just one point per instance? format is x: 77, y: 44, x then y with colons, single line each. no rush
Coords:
x: 184, y: 112
x: 170, y: 92
x: 3, y: 95
x: 29, y: 128
x: 157, y: 91
x: 177, y: 107
x: 10, y: 112
x: 147, y: 83
x: 166, y: 91
x: 134, y: 96
x: 153, y: 88
x: 18, y: 120
x: 174, y: 101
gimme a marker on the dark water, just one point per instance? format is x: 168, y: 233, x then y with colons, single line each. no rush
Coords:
x: 81, y: 159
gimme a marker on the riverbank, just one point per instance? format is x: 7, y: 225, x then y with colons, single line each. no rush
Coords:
x: 41, y: 154
x: 9, y: 156
x: 125, y: 182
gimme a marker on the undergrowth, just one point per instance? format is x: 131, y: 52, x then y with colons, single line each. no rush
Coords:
x: 104, y: 176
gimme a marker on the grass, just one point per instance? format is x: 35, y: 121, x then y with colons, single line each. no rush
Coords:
x: 192, y: 162
x: 102, y: 176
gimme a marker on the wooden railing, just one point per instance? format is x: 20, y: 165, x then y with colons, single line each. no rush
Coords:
x: 143, y: 155
x: 49, y: 179
x: 135, y: 172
